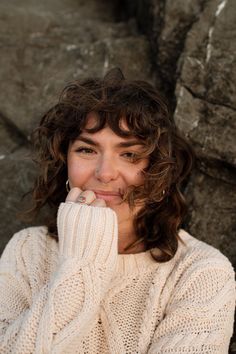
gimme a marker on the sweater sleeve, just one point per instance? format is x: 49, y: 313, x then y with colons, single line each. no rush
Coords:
x: 65, y: 307
x: 199, y: 317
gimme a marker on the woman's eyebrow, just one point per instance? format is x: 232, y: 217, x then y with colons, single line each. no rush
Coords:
x: 86, y: 140
x: 127, y: 143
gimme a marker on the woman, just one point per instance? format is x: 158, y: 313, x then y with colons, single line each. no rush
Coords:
x: 111, y: 272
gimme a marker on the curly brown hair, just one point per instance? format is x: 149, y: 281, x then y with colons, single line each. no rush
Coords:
x: 148, y: 118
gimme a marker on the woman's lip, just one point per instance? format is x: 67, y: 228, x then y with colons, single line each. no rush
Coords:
x: 116, y: 194
x: 107, y: 196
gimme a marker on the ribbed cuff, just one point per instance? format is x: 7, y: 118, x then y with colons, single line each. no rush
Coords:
x: 87, y: 233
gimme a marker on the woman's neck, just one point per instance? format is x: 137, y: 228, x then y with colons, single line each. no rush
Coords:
x: 128, y: 242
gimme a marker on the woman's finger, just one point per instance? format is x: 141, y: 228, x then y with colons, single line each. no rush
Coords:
x: 76, y: 195
x: 73, y: 195
x: 99, y: 203
x: 86, y: 197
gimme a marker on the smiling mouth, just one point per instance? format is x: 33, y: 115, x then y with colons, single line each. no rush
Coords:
x: 107, y: 196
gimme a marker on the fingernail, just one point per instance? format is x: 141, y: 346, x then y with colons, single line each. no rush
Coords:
x: 81, y: 199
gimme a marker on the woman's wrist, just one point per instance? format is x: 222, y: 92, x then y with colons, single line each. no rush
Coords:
x: 88, y: 233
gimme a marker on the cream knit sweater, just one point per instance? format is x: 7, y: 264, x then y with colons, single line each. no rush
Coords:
x: 80, y: 296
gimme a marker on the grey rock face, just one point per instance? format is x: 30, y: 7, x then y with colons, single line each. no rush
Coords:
x: 210, y: 127
x: 166, y: 23
x: 42, y: 49
x: 193, y: 47
x: 17, y: 171
x: 194, y: 58
x: 212, y: 211
x: 208, y: 61
x: 44, y: 45
x: 205, y: 113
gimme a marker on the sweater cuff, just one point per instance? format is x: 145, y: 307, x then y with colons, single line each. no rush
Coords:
x: 87, y: 233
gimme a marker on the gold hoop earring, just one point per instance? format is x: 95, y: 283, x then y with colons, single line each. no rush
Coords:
x: 67, y: 186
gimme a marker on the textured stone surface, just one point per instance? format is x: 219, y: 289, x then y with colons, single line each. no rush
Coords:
x: 215, y: 200
x: 47, y: 44
x: 166, y: 23
x: 193, y: 55
x: 205, y: 113
x: 209, y: 61
x: 17, y: 171
x: 43, y: 46
x: 210, y: 127
x: 193, y: 50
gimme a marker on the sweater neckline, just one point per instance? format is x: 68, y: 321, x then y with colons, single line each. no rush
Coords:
x: 134, y: 262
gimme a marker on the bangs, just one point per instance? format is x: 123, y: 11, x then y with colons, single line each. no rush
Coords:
x: 122, y: 123
x: 128, y: 109
x: 143, y: 116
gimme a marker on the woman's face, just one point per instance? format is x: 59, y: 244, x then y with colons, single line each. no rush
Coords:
x: 106, y: 164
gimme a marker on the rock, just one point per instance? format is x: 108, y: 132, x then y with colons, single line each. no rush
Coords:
x: 193, y: 54
x: 211, y: 216
x: 17, y: 173
x: 205, y: 113
x: 210, y: 127
x: 43, y: 49
x: 208, y: 63
x: 7, y: 144
x: 166, y: 23
x: 44, y: 45
x: 193, y: 57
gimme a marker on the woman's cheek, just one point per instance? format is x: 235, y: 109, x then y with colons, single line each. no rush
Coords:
x: 78, y: 169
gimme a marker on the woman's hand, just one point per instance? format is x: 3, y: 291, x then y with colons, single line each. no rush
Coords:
x: 76, y: 195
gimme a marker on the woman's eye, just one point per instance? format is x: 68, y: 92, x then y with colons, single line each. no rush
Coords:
x: 132, y: 156
x: 84, y: 150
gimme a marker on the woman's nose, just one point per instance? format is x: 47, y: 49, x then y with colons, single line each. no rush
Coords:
x: 106, y: 170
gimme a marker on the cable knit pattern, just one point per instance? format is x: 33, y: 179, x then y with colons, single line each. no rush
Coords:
x: 79, y: 296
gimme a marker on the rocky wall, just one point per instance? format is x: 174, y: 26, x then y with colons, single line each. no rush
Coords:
x: 189, y: 47
x: 193, y: 56
x: 44, y: 45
